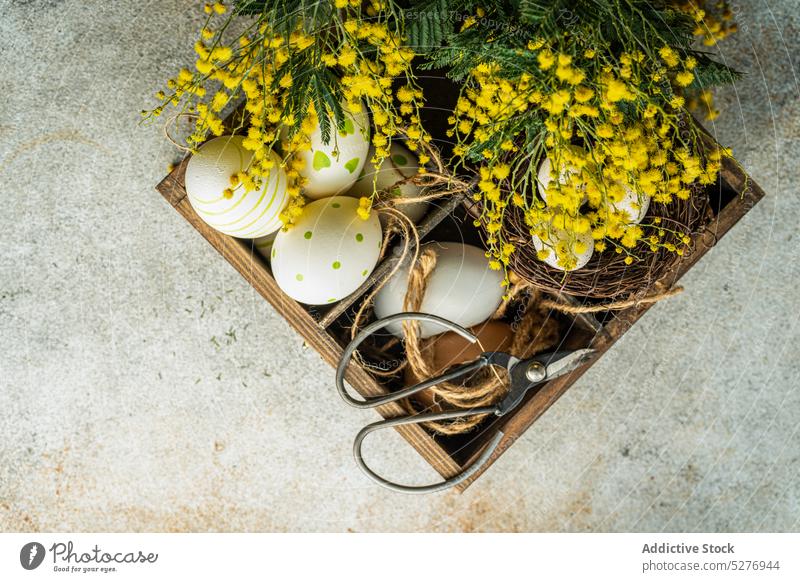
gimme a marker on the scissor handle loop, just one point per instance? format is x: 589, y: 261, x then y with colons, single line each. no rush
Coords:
x: 411, y: 390
x: 417, y: 419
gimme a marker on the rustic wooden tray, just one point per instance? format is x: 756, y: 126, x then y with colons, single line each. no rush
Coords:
x: 731, y: 198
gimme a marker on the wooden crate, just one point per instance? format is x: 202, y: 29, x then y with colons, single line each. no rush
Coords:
x: 732, y: 197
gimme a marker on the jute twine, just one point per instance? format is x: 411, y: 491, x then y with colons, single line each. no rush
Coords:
x: 436, y: 182
x: 534, y: 332
x: 614, y: 305
x: 173, y: 120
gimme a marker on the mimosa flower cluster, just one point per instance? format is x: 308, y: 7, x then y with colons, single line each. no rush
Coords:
x: 608, y: 119
x: 573, y: 113
x: 297, y: 71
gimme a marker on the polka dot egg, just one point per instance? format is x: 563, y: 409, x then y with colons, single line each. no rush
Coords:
x: 328, y: 253
x: 332, y: 168
x: 393, y: 175
x: 245, y: 214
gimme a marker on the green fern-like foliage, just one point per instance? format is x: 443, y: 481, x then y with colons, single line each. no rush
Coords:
x: 608, y: 25
x: 427, y: 25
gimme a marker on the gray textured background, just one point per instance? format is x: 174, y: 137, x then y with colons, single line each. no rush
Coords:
x: 145, y: 386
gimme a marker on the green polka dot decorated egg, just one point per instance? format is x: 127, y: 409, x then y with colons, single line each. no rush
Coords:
x: 245, y: 214
x: 331, y: 168
x: 328, y: 253
x: 393, y: 177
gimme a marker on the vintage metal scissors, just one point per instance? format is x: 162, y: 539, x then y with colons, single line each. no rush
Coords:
x: 524, y: 376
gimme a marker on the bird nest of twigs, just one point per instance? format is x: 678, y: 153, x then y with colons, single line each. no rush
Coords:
x: 606, y: 276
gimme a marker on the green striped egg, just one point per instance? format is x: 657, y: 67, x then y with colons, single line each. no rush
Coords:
x: 246, y: 214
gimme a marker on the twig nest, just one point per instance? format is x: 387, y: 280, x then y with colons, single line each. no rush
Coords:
x: 221, y: 199
x: 461, y: 288
x: 328, y: 253
x: 393, y: 179
x: 332, y: 168
x: 563, y: 250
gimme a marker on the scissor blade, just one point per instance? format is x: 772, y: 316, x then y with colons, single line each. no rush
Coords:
x: 526, y: 375
x: 560, y: 363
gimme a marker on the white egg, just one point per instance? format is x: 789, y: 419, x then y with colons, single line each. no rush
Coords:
x: 328, y: 252
x: 555, y: 236
x: 633, y: 204
x: 264, y: 244
x: 245, y: 214
x: 545, y: 176
x: 332, y: 168
x: 399, y: 166
x: 462, y: 289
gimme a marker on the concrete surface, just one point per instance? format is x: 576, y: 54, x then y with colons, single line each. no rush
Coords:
x: 145, y: 386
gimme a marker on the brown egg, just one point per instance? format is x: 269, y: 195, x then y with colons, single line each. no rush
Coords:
x: 450, y: 349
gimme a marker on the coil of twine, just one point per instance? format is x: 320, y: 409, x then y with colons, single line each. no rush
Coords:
x: 435, y: 182
x: 534, y: 331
